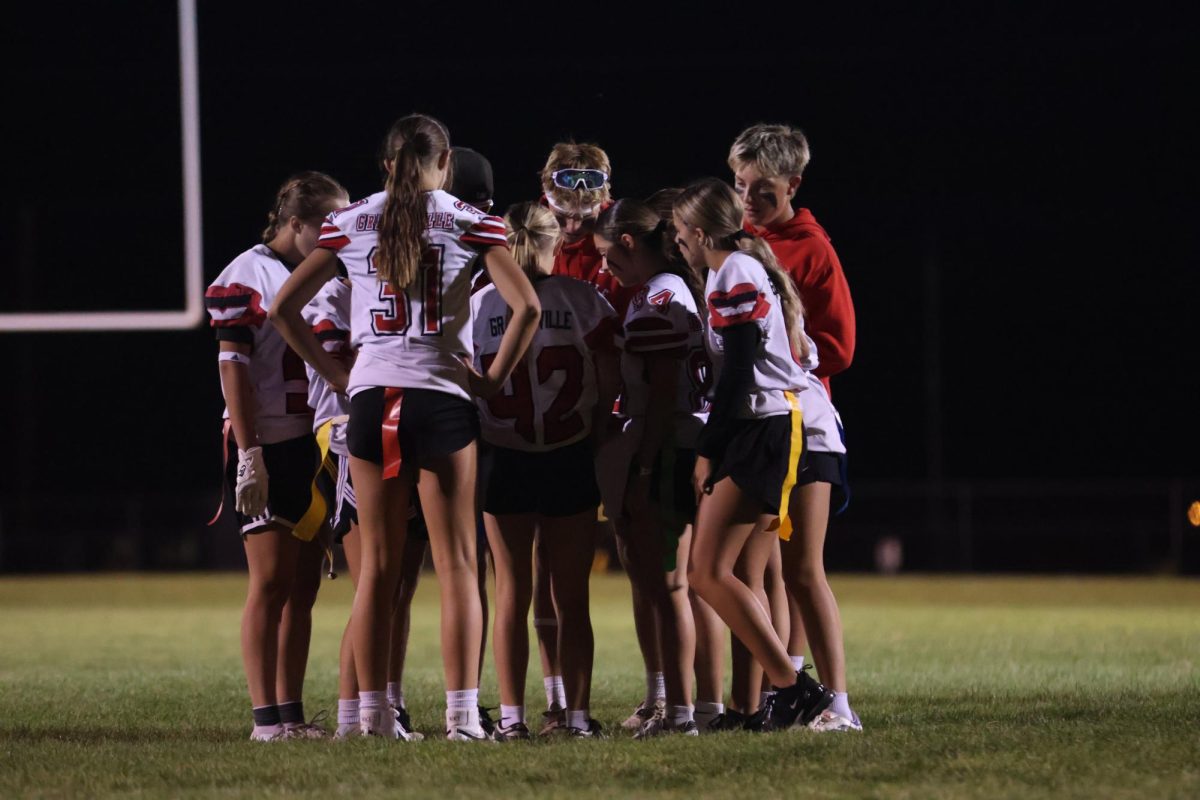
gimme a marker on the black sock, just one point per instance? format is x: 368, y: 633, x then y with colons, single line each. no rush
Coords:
x: 291, y: 712
x: 266, y: 716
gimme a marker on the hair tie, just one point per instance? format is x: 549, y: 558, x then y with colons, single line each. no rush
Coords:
x: 741, y: 234
x: 660, y: 227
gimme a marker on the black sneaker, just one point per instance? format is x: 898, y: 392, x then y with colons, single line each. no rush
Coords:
x: 727, y: 720
x: 517, y: 732
x: 486, y: 722
x: 760, y: 720
x: 592, y: 731
x: 798, y: 704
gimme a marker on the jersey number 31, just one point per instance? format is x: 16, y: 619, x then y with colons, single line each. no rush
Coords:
x: 395, y: 317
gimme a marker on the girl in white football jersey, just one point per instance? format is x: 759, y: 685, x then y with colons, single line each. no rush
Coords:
x: 646, y: 471
x: 266, y: 395
x: 537, y: 473
x: 751, y: 444
x: 408, y: 251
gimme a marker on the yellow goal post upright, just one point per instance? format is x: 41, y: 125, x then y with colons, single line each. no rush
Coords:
x: 192, y: 314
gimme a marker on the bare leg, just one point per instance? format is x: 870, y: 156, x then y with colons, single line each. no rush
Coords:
x: 481, y: 556
x: 271, y: 556
x: 410, y: 575
x: 569, y: 556
x: 679, y: 656
x: 448, y: 500
x: 750, y: 569
x: 724, y: 523
x: 710, y: 651
x: 545, y: 618
x: 644, y: 625
x: 804, y: 571
x: 295, y: 626
x: 382, y: 525
x: 510, y: 537
x: 797, y: 639
x: 347, y: 679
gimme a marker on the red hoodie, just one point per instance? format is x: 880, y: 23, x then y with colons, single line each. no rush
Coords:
x: 803, y: 249
x: 580, y: 259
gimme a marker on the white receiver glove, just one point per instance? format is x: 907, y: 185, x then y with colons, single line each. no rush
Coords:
x: 251, y: 487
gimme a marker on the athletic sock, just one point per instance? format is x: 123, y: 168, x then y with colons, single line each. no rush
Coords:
x: 677, y: 716
x: 511, y: 715
x: 347, y: 712
x: 374, y: 703
x: 559, y: 697
x: 578, y: 719
x: 841, y: 705
x: 291, y: 712
x: 656, y: 688
x: 797, y: 662
x: 266, y: 722
x: 706, y: 712
x: 395, y: 695
x: 762, y: 698
x: 266, y: 716
x: 548, y: 682
x: 462, y: 708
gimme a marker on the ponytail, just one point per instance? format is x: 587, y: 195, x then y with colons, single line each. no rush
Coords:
x: 412, y: 145
x: 532, y: 229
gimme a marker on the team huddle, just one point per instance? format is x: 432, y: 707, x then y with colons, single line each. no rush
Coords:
x: 408, y: 372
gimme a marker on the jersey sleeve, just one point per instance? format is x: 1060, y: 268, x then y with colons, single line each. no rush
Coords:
x: 656, y: 322
x: 738, y: 294
x: 234, y: 306
x: 487, y: 231
x: 332, y: 237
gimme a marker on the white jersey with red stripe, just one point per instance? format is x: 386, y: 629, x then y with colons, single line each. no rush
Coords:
x: 329, y: 316
x: 662, y: 319
x: 238, y: 302
x: 412, y: 338
x: 740, y: 292
x: 549, y: 399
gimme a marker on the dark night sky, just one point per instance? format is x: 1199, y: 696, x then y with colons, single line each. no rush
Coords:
x: 1041, y: 170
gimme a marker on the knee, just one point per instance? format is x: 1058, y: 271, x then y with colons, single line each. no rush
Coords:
x: 805, y: 576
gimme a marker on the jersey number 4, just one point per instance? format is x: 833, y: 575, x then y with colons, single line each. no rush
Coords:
x: 561, y: 420
x: 394, y: 318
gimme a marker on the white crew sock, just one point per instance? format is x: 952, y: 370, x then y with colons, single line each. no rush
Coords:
x: 395, y: 695
x: 656, y: 688
x: 578, y: 719
x: 347, y: 711
x: 462, y: 708
x: 511, y: 715
x: 706, y: 712
x: 841, y: 705
x: 556, y: 692
x: 679, y: 715
x: 797, y: 662
x: 372, y: 711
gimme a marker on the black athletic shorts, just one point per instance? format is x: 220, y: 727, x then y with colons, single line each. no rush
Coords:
x: 556, y: 483
x: 408, y: 427
x: 757, y: 458
x: 291, y: 466
x: 820, y: 468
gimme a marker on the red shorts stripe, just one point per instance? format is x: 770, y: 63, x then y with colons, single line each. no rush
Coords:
x: 392, y: 458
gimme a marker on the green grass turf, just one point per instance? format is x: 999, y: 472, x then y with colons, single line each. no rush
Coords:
x: 977, y: 687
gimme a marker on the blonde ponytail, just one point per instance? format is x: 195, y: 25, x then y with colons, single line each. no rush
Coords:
x: 531, y: 230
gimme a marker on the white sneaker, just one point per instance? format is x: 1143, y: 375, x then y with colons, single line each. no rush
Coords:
x: 379, y: 722
x: 658, y: 725
x: 347, y: 731
x: 830, y: 721
x: 642, y: 714
x: 463, y: 726
x: 268, y: 733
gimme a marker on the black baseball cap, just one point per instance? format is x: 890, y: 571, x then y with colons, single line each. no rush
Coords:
x: 471, y: 177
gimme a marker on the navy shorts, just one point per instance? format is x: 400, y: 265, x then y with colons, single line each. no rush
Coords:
x: 555, y: 483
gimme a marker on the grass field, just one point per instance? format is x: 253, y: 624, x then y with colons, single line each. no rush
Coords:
x: 978, y: 687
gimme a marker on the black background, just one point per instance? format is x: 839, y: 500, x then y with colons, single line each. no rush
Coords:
x: 1011, y: 191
